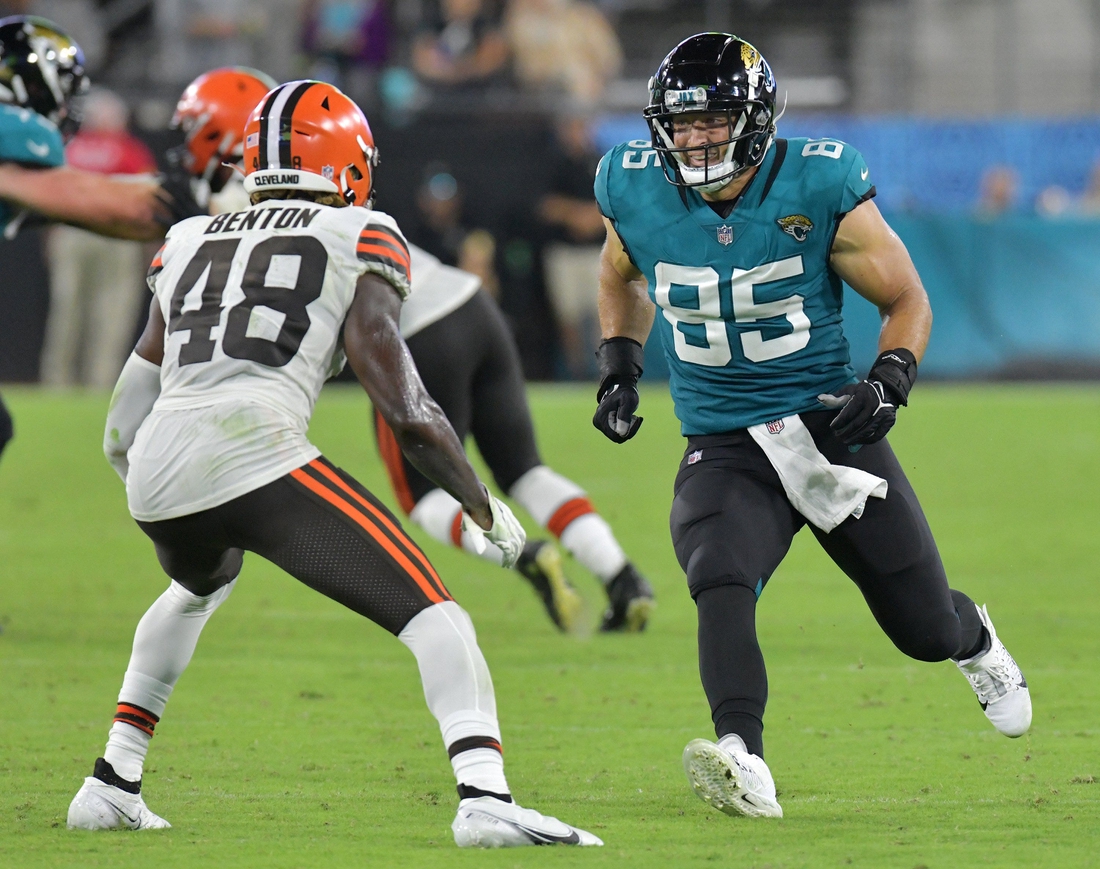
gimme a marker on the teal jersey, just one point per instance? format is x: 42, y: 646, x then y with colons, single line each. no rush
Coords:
x: 749, y: 309
x: 29, y: 139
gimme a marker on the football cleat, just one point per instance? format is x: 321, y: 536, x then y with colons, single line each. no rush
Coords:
x: 540, y: 564
x: 486, y: 822
x: 734, y: 782
x: 630, y: 602
x: 100, y: 806
x: 1000, y: 686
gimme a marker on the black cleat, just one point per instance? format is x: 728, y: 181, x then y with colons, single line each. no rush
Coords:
x: 540, y: 564
x: 630, y: 601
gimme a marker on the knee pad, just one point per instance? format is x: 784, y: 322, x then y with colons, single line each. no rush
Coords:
x: 713, y: 566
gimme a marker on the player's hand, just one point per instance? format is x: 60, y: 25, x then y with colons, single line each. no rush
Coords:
x: 177, y: 198
x: 620, y: 360
x: 505, y: 533
x: 868, y: 409
x: 615, y: 415
x: 865, y: 414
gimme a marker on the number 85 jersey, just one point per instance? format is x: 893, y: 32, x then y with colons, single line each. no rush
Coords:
x: 254, y: 304
x: 749, y: 310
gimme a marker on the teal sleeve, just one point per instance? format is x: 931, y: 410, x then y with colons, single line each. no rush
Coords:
x: 857, y: 183
x: 29, y: 139
x: 603, y: 197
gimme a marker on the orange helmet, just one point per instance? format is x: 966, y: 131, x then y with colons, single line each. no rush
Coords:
x: 212, y: 113
x: 306, y: 135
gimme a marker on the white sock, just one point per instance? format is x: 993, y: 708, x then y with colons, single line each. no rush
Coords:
x: 164, y: 642
x: 590, y: 540
x: 561, y: 506
x: 440, y: 515
x: 732, y: 742
x: 459, y: 692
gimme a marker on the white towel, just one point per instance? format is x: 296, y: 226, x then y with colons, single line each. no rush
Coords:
x: 824, y: 493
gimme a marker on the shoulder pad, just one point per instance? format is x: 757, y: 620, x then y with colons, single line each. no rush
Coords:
x: 28, y: 138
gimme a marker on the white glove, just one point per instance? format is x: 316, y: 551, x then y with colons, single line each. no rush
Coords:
x: 506, y: 534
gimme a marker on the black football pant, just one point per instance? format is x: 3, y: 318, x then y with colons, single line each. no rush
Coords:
x: 732, y: 525
x: 470, y: 365
x: 320, y: 526
x: 7, y: 427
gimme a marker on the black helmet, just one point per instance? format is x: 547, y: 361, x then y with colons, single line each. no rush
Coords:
x: 41, y: 67
x: 714, y: 73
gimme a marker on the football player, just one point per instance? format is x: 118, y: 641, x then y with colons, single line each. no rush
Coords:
x: 252, y: 311
x: 41, y: 71
x: 742, y: 240
x: 469, y: 363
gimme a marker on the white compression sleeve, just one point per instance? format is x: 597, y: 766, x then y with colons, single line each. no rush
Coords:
x: 135, y: 393
x: 458, y: 689
x: 164, y: 642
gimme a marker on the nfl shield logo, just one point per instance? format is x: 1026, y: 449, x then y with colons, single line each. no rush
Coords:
x: 327, y: 172
x: 725, y: 235
x: 775, y: 426
x: 695, y: 456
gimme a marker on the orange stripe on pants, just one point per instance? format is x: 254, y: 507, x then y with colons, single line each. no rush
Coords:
x: 402, y: 538
x: 394, y: 461
x: 374, y: 531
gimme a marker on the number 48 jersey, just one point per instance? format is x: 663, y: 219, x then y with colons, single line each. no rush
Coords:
x: 749, y: 309
x: 254, y: 303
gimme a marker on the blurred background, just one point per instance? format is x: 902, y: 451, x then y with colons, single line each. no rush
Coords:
x: 980, y: 120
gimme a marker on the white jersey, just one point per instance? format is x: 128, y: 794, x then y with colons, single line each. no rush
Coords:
x: 254, y: 303
x: 437, y: 290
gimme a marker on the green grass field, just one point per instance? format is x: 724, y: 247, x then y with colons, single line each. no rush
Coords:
x: 299, y: 735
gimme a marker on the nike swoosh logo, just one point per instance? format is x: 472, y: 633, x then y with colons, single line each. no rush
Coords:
x: 541, y: 838
x: 38, y: 149
x: 864, y: 173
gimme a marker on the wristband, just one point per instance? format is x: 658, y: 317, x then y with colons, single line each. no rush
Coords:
x: 620, y: 360
x: 896, y: 370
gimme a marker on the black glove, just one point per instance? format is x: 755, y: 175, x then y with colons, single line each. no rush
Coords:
x: 177, y: 198
x: 868, y: 409
x: 620, y: 361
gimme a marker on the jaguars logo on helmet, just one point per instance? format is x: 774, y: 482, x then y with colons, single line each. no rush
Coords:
x: 713, y: 73
x: 41, y: 69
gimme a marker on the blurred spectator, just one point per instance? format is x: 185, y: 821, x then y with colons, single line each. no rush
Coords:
x: 1053, y: 201
x: 571, y: 259
x: 94, y: 281
x: 347, y: 41
x: 563, y: 46
x: 460, y: 44
x: 998, y: 191
x: 195, y: 36
x: 441, y: 231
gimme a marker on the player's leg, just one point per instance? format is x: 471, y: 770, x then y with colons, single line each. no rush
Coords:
x: 891, y: 555
x: 330, y: 533
x: 505, y: 435
x: 731, y: 526
x: 448, y: 354
x: 193, y: 552
x: 7, y: 426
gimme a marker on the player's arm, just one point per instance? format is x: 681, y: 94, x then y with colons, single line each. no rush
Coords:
x: 870, y: 257
x: 626, y: 316
x: 380, y: 359
x: 136, y: 392
x: 140, y: 210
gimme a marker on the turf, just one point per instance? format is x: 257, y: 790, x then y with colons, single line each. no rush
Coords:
x: 299, y: 736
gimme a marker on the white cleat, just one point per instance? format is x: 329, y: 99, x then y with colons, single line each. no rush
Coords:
x: 100, y: 806
x: 486, y: 822
x: 1000, y: 686
x: 737, y: 783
